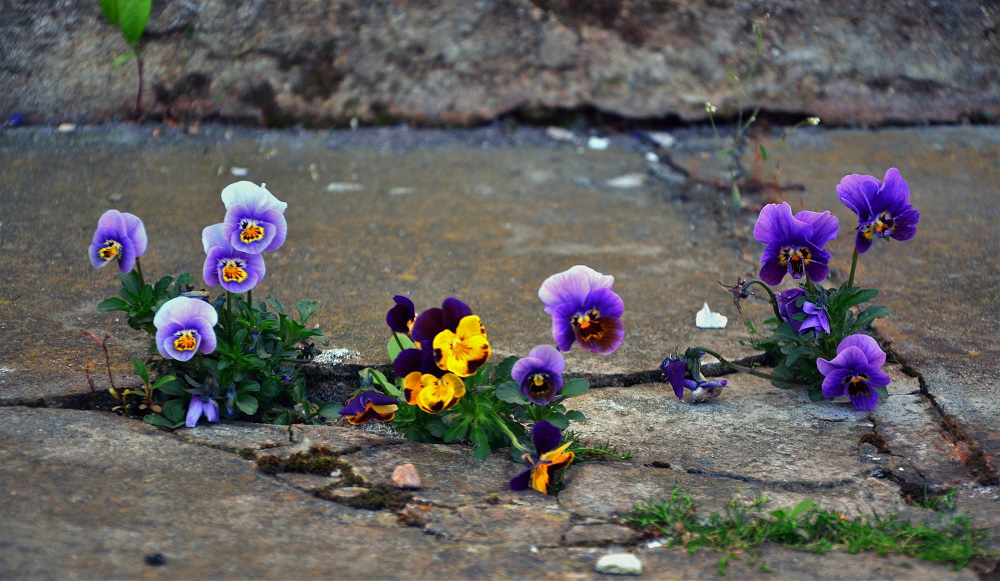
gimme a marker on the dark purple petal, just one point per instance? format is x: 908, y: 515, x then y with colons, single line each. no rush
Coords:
x: 552, y: 388
x: 894, y: 195
x: 772, y: 271
x: 453, y: 311
x: 868, y: 345
x: 857, y: 192
x: 359, y: 403
x: 401, y: 315
x: 673, y: 372
x: 867, y: 399
x: 608, y: 341
x: 862, y: 243
x: 428, y: 325
x: 562, y: 329
x: 525, y: 366
x: 545, y: 437
x: 825, y: 226
x: 606, y: 301
x: 834, y: 382
x: 776, y: 225
x: 817, y: 269
x: 522, y: 481
x: 195, y: 409
x: 905, y: 225
x: 877, y: 377
x: 572, y: 286
x: 851, y: 358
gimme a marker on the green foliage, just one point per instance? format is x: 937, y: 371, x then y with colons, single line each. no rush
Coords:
x: 129, y: 16
x: 740, y: 528
x: 586, y: 451
x: 140, y: 300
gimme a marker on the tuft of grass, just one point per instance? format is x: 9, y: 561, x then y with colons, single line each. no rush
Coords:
x: 588, y: 451
x: 741, y: 527
x: 946, y: 501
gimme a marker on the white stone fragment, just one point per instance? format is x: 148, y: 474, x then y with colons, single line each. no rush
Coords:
x: 652, y: 157
x: 598, y: 143
x: 335, y: 356
x: 627, y: 181
x: 560, y: 134
x: 661, y: 138
x: 66, y: 128
x: 240, y: 172
x: 706, y: 319
x: 401, y: 191
x: 619, y: 564
x: 343, y: 187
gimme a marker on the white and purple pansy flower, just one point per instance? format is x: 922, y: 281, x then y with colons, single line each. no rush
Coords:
x: 883, y: 207
x: 120, y: 236
x: 855, y: 371
x: 790, y: 306
x: 185, y: 326
x: 201, y: 405
x: 235, y: 271
x: 794, y: 244
x: 584, y: 309
x: 540, y: 374
x: 255, y: 219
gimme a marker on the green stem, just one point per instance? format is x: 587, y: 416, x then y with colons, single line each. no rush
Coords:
x: 229, y: 314
x: 399, y: 343
x: 854, y: 266
x: 749, y: 370
x: 250, y: 298
x: 510, y: 435
x: 774, y: 299
x: 138, y: 269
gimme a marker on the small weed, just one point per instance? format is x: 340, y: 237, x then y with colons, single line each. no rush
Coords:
x: 587, y: 451
x: 736, y: 529
x: 378, y: 497
x: 942, y: 502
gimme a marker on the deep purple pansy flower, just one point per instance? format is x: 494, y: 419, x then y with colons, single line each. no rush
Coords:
x: 674, y: 371
x: 201, y: 404
x: 119, y: 235
x: 184, y: 326
x: 400, y: 317
x: 794, y: 244
x: 435, y: 320
x: 815, y: 315
x: 540, y: 374
x: 235, y: 271
x: 584, y: 309
x: 255, y: 219
x: 548, y: 459
x: 422, y: 360
x: 855, y: 370
x: 369, y: 405
x: 883, y: 208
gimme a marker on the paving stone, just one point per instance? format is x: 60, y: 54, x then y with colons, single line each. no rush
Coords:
x: 236, y: 435
x: 337, y: 439
x: 499, y: 524
x: 600, y: 534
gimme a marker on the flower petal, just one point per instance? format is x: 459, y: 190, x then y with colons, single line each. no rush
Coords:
x: 136, y: 232
x: 572, y: 286
x: 251, y: 195
x: 825, y: 226
x: 551, y: 359
x: 212, y: 410
x: 521, y: 481
x: 428, y: 325
x: 524, y: 367
x: 195, y: 409
x: 857, y: 192
x: 868, y: 345
x: 214, y: 235
x: 545, y: 437
x: 833, y: 383
x: 453, y: 311
x: 866, y: 400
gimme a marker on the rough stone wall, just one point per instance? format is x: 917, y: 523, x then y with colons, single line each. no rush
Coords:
x: 461, y: 61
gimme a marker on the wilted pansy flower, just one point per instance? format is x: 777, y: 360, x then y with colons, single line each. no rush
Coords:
x: 816, y: 317
x: 201, y: 404
x: 120, y: 236
x: 184, y: 326
x: 674, y: 371
x: 255, y: 219
x: 540, y: 374
x: 794, y: 243
x: 549, y: 458
x: 457, y: 337
x: 855, y: 370
x: 431, y: 393
x: 584, y: 309
x: 400, y: 317
x: 883, y: 208
x: 369, y: 405
x: 236, y: 271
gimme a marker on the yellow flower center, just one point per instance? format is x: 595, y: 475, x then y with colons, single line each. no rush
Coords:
x: 110, y: 250
x: 250, y: 231
x: 464, y: 351
x: 588, y: 325
x: 881, y: 227
x: 233, y: 271
x: 185, y: 340
x: 797, y: 257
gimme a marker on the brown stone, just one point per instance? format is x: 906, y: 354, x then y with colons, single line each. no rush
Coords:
x: 405, y: 476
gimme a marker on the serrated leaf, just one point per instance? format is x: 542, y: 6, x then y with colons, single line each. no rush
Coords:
x: 331, y: 410
x: 133, y: 15
x: 113, y: 304
x: 247, y: 404
x: 510, y: 392
x: 276, y: 305
x: 575, y: 387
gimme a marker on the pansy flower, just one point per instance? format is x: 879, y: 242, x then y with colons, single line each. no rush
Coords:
x: 883, y: 208
x: 815, y: 315
x: 794, y: 243
x: 369, y: 405
x: 549, y: 458
x: 255, y: 219
x: 540, y: 374
x: 235, y: 271
x: 456, y: 336
x: 584, y: 309
x: 185, y: 326
x: 431, y: 393
x: 201, y: 405
x: 855, y: 370
x: 119, y: 236
x: 400, y: 317
x: 674, y: 372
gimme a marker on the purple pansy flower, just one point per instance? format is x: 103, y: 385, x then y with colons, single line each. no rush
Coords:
x: 422, y: 360
x: 369, y: 405
x: 816, y: 317
x: 255, y: 219
x: 184, y: 326
x: 434, y: 320
x: 883, y: 208
x: 201, y: 404
x: 855, y: 370
x: 584, y: 309
x: 674, y: 371
x: 400, y: 318
x: 794, y: 243
x: 549, y: 458
x: 540, y: 374
x: 236, y: 271
x: 119, y: 235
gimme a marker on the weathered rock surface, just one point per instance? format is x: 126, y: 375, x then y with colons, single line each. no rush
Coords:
x: 450, y: 61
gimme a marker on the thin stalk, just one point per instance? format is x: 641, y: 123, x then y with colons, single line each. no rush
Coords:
x: 395, y: 336
x: 229, y: 314
x: 250, y: 298
x: 138, y: 97
x: 774, y: 299
x: 138, y: 270
x: 854, y: 266
x: 107, y: 360
x: 748, y: 370
x: 510, y: 435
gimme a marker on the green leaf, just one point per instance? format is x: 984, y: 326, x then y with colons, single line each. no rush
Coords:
x: 247, y: 404
x: 457, y: 432
x: 276, y: 305
x: 816, y: 394
x: 504, y: 369
x: 158, y: 420
x: 110, y: 10
x: 763, y: 153
x: 131, y: 282
x: 801, y: 508
x: 133, y: 15
x: 731, y: 74
x: 558, y: 420
x: 270, y: 388
x: 146, y: 295
x: 481, y: 376
x: 480, y: 444
x: 856, y: 298
x: 163, y: 380
x: 576, y: 416
x: 172, y: 387
x: 575, y: 387
x: 122, y: 59
x: 331, y: 410
x: 393, y: 348
x: 882, y: 392
x: 161, y: 286
x: 510, y: 392
x: 436, y: 427
x: 140, y: 369
x: 173, y: 410
x: 248, y: 387
x: 184, y: 280
x: 113, y: 304
x: 306, y: 310
x: 868, y: 316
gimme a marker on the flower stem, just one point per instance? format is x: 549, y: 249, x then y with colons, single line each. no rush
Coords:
x: 250, y: 298
x: 854, y: 266
x: 229, y: 314
x: 395, y: 336
x: 510, y: 435
x: 774, y: 299
x: 749, y: 370
x: 138, y: 270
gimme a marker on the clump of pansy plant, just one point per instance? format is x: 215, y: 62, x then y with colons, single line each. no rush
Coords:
x: 816, y: 340
x: 445, y: 388
x: 226, y: 356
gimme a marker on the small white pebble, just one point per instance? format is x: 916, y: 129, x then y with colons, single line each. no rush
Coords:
x: 598, y: 143
x: 654, y: 544
x: 652, y: 157
x: 240, y: 172
x: 66, y: 128
x: 619, y: 564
